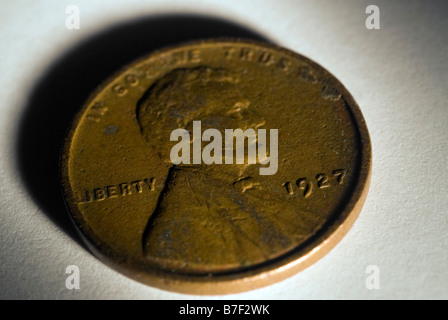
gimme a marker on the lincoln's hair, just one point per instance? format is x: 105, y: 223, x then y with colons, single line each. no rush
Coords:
x: 175, y: 99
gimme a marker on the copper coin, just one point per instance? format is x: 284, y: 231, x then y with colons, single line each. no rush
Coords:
x: 151, y: 185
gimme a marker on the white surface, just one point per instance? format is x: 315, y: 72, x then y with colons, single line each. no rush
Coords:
x: 399, y: 77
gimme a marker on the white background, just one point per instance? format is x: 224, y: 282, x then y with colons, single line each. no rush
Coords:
x: 398, y: 75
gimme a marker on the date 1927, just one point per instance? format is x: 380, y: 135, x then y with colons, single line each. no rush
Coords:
x: 305, y: 186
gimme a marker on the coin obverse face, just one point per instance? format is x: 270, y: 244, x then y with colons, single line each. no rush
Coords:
x: 216, y: 167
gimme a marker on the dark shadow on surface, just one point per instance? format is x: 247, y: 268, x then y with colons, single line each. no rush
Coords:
x: 62, y: 90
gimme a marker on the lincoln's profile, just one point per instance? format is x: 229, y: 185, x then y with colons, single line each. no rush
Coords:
x: 210, y: 218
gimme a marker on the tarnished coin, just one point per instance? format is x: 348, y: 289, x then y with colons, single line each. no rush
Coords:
x: 216, y: 166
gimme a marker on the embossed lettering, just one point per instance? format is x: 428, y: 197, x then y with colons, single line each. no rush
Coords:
x: 306, y: 74
x: 339, y: 174
x: 118, y: 190
x: 99, y: 194
x: 322, y: 180
x: 182, y: 57
x: 194, y: 55
x: 150, y: 183
x: 288, y: 188
x: 112, y: 191
x: 246, y: 54
x: 304, y: 186
x: 125, y: 188
x: 229, y: 52
x: 138, y: 185
x: 132, y: 79
x: 263, y: 57
x: 284, y: 64
x: 97, y: 111
x: 266, y: 58
x: 119, y: 90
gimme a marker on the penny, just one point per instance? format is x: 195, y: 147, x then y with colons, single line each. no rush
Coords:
x: 216, y: 167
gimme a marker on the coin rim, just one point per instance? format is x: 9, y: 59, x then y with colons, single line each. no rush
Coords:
x: 269, y: 272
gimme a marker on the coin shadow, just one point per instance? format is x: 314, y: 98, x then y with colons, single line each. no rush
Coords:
x: 62, y: 89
